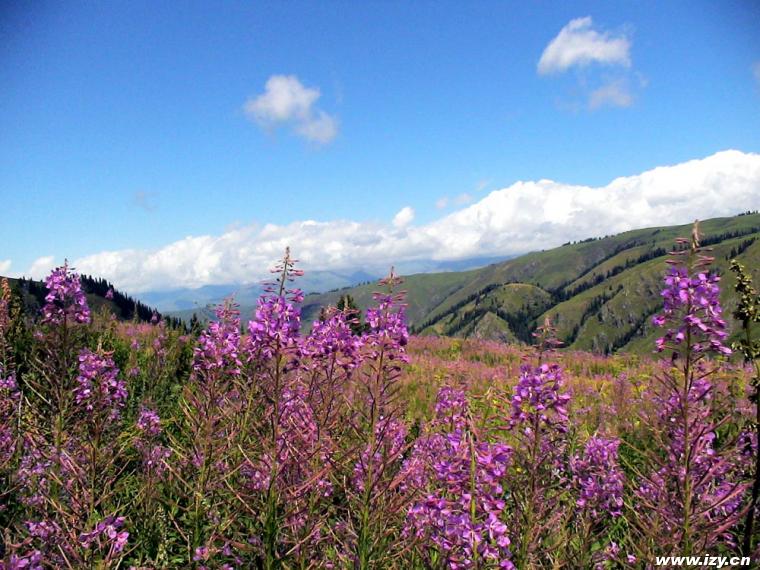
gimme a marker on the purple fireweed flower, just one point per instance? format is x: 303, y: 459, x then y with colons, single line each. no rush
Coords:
x: 598, y: 478
x: 694, y: 491
x: 539, y: 421
x: 34, y: 474
x: 154, y: 459
x: 30, y: 561
x: 451, y: 408
x: 332, y: 339
x: 709, y: 470
x: 98, y: 385
x: 153, y: 454
x: 451, y: 414
x: 148, y: 422
x: 201, y: 554
x: 693, y: 461
x: 692, y: 307
x: 9, y: 397
x: 607, y: 557
x: 219, y: 345
x: 537, y: 399
x: 42, y: 529
x: 106, y: 534
x: 275, y: 329
x: 388, y: 331
x: 109, y: 293
x: 65, y: 299
x: 460, y: 515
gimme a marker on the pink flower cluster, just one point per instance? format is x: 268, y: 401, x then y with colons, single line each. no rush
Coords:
x: 65, y: 299
x: 99, y: 388
x: 537, y: 400
x: 460, y: 513
x: 599, y: 479
x: 692, y: 304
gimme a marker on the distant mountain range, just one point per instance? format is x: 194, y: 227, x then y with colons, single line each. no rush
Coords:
x: 600, y: 292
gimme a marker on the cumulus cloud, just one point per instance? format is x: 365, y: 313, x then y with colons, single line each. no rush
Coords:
x: 41, y: 267
x: 404, y: 217
x: 5, y: 266
x: 615, y: 94
x: 579, y: 44
x: 286, y: 101
x: 525, y: 216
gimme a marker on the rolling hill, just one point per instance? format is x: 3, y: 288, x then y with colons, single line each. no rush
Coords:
x: 600, y: 292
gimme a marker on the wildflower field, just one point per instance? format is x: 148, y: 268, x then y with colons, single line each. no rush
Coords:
x: 251, y: 445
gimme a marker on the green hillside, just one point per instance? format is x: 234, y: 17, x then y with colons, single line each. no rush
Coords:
x: 32, y: 296
x: 600, y: 292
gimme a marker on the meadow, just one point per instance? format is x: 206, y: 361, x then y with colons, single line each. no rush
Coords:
x: 251, y: 445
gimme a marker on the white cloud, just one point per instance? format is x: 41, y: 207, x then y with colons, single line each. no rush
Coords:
x: 5, y: 267
x: 284, y: 98
x: 287, y: 101
x: 41, y: 267
x: 321, y: 128
x: 525, y: 216
x: 579, y: 44
x: 442, y: 202
x: 615, y: 94
x: 404, y: 217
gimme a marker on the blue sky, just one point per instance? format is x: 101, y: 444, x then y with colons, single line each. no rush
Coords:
x: 126, y: 127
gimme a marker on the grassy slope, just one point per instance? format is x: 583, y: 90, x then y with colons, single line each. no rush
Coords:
x: 635, y: 296
x: 425, y: 291
x: 612, y: 314
x: 510, y: 298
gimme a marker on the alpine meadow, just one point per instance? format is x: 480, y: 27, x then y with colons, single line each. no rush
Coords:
x: 403, y: 286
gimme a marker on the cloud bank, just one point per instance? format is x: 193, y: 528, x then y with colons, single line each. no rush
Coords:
x: 286, y: 101
x: 525, y: 216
